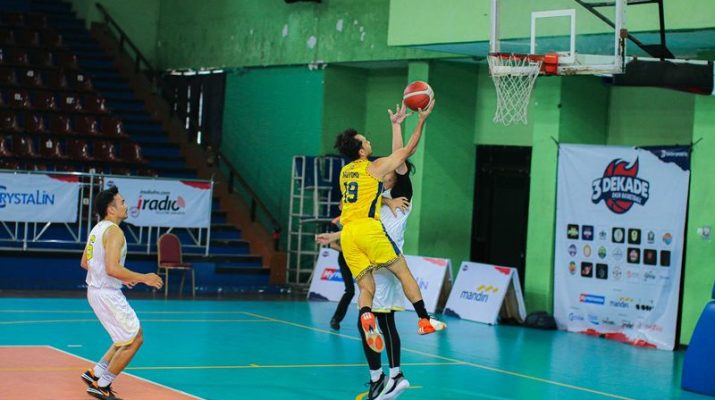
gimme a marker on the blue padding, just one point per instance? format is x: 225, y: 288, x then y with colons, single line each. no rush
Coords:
x: 698, y: 366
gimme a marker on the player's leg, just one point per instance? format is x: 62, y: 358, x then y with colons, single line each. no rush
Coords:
x: 377, y: 377
x: 92, y: 374
x: 396, y: 383
x: 348, y: 295
x: 366, y: 319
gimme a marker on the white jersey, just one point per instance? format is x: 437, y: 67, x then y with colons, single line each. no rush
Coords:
x: 97, y: 272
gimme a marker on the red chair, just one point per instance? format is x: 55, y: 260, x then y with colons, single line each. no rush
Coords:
x: 35, y: 123
x: 169, y: 258
x: 41, y: 58
x: 112, y: 126
x: 132, y: 153
x: 19, y: 98
x: 28, y: 38
x: 70, y: 102
x: 148, y: 172
x: 4, y: 151
x: 31, y: 77
x: 79, y: 150
x: 67, y: 60
x: 22, y: 146
x: 7, y: 36
x: 60, y: 125
x: 50, y: 148
x: 17, y: 56
x: 51, y: 39
x: 80, y: 81
x: 37, y: 21
x: 55, y: 79
x: 86, y: 125
x: 8, y: 76
x: 44, y: 101
x: 95, y: 104
x: 13, y: 19
x: 7, y: 164
x: 8, y: 122
x: 104, y: 151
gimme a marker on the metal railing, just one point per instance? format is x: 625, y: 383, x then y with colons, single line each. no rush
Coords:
x: 23, y: 235
x: 255, y: 202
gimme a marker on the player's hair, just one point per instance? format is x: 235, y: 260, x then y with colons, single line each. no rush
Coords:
x: 410, y: 167
x: 104, y: 199
x: 348, y: 145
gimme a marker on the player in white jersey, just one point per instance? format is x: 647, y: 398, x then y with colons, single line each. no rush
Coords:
x: 103, y: 258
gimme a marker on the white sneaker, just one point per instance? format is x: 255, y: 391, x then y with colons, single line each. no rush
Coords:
x: 437, y: 325
x: 395, y: 387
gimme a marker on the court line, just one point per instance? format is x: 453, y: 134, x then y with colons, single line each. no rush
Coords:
x: 126, y: 373
x: 215, y: 367
x: 462, y: 362
x: 56, y: 321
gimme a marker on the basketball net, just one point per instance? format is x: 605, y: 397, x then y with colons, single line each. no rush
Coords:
x: 514, y: 76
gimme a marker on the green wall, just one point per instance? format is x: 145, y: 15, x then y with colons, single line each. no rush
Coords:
x: 272, y: 32
x: 344, y: 103
x: 138, y: 18
x: 384, y: 90
x: 270, y: 115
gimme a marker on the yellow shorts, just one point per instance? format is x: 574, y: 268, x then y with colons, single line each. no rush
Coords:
x: 366, y: 246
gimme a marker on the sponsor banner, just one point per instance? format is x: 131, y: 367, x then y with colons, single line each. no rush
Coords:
x: 38, y: 198
x: 620, y: 226
x: 479, y: 292
x: 430, y: 274
x: 168, y: 203
x: 327, y: 282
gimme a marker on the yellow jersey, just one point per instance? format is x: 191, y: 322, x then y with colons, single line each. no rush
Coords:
x: 362, y: 193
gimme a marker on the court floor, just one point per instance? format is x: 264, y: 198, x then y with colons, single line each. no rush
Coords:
x: 285, y: 350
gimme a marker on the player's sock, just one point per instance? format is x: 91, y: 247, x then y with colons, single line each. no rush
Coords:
x: 394, y: 372
x: 106, y: 379
x: 420, y: 309
x: 375, y: 374
x: 101, y: 367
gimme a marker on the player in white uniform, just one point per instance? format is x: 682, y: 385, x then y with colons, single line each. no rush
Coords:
x: 103, y: 258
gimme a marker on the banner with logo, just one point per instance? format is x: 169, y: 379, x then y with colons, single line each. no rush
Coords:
x: 620, y: 225
x: 166, y: 203
x: 430, y: 274
x: 479, y: 292
x: 38, y: 198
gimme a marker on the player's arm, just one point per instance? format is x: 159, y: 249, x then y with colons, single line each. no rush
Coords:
x: 84, y: 263
x: 382, y: 166
x: 396, y: 119
x: 114, y: 241
x: 327, y: 238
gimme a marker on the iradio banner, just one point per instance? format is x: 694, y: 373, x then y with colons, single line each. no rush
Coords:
x: 620, y: 225
x: 38, y: 198
x: 167, y: 203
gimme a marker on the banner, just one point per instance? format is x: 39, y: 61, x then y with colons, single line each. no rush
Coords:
x: 167, y: 203
x: 430, y: 274
x: 38, y: 198
x: 480, y: 290
x: 620, y: 225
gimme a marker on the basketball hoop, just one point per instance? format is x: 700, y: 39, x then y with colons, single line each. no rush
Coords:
x: 514, y: 76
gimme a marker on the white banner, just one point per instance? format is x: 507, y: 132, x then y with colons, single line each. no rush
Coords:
x: 168, y: 203
x: 327, y: 282
x: 38, y: 198
x: 479, y: 291
x: 619, y: 241
x: 430, y: 273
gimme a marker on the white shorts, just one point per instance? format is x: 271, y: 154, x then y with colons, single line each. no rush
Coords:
x: 388, y: 292
x: 116, y: 315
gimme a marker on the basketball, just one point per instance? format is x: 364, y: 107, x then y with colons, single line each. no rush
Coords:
x: 417, y: 95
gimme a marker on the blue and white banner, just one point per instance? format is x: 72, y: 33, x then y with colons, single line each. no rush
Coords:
x: 620, y: 225
x: 165, y: 203
x: 479, y: 292
x: 430, y: 274
x: 38, y: 198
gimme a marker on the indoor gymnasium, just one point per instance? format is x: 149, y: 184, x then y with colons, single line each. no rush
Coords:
x: 357, y: 199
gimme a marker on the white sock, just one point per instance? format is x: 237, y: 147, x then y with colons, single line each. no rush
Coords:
x: 375, y: 374
x: 100, y: 368
x: 394, y: 372
x: 106, y: 379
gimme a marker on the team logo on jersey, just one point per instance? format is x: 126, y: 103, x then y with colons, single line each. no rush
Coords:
x: 620, y: 187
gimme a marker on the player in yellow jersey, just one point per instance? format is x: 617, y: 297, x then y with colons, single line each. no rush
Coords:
x: 366, y: 245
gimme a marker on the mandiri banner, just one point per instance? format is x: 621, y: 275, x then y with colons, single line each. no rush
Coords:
x: 38, y: 198
x: 166, y: 203
x: 620, y: 225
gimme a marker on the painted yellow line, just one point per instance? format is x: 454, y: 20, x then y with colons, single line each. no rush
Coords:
x: 216, y: 367
x: 460, y: 362
x: 364, y: 394
x: 59, y: 321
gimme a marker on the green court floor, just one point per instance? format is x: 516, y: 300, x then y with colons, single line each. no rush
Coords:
x: 284, y: 350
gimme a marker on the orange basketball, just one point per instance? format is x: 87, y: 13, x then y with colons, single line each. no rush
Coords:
x: 417, y: 95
